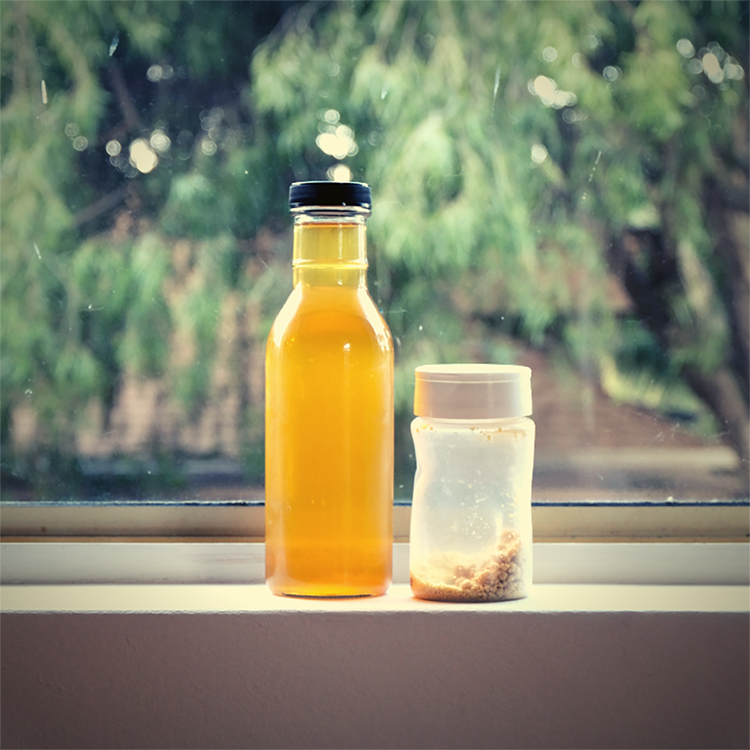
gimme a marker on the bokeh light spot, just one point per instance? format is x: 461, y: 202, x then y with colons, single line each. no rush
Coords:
x: 339, y: 173
x: 538, y: 153
x: 160, y: 141
x: 712, y: 68
x: 142, y: 156
x: 685, y: 48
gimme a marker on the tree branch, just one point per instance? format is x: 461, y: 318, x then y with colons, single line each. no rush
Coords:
x: 130, y: 113
x: 103, y: 205
x: 736, y: 197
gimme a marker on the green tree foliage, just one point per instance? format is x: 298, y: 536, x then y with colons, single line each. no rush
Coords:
x: 525, y: 154
x: 526, y: 158
x: 120, y: 120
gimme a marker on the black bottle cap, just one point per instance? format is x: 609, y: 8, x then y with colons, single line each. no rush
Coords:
x: 345, y: 194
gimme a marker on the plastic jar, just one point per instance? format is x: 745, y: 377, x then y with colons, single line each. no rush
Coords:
x: 471, y: 530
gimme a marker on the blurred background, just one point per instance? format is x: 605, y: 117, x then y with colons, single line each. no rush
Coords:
x: 562, y: 185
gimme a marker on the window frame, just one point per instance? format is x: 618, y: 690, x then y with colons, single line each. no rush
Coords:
x: 222, y: 542
x: 202, y: 562
x: 244, y: 521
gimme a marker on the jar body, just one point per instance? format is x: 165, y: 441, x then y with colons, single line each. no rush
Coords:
x: 471, y: 531
x: 329, y: 425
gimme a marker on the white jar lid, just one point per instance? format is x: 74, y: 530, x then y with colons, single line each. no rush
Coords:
x: 472, y: 391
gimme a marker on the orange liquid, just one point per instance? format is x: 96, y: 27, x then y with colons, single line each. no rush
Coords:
x: 329, y: 427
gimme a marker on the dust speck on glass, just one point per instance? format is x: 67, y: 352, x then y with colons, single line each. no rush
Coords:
x: 562, y: 186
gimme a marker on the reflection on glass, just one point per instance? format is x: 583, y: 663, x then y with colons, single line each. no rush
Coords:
x: 559, y: 185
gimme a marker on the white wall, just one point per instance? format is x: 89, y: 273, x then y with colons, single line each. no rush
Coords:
x: 404, y: 675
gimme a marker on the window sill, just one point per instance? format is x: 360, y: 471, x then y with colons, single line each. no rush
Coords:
x: 223, y: 666
x: 257, y: 599
x: 236, y: 563
x: 153, y: 645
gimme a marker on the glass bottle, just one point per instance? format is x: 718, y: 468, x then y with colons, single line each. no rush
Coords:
x: 329, y: 409
x: 471, y: 530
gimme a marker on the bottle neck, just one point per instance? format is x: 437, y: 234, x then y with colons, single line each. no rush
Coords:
x: 330, y: 249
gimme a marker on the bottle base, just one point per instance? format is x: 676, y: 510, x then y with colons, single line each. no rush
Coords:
x: 327, y: 596
x: 326, y: 592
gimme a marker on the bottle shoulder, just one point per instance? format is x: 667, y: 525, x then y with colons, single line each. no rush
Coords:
x: 330, y: 311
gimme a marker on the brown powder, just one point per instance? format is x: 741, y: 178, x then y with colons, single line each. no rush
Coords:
x: 499, y: 577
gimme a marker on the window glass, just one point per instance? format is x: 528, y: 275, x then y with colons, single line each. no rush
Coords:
x: 562, y: 185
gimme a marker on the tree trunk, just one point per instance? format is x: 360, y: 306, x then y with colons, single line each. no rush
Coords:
x: 732, y: 252
x: 648, y: 285
x: 720, y: 392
